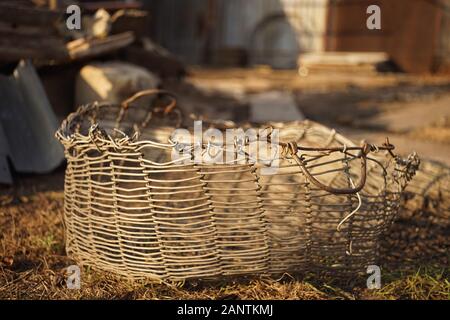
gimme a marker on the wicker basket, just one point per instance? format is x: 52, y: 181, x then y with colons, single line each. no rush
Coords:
x: 133, y: 210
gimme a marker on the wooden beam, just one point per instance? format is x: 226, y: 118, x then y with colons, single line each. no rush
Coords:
x: 21, y: 15
x: 82, y: 48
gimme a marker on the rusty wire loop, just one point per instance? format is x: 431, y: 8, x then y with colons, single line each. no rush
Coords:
x: 293, y: 149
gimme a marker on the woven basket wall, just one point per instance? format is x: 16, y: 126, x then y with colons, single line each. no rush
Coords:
x: 130, y: 209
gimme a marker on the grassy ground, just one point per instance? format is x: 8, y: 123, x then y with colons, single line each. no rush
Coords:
x: 33, y: 263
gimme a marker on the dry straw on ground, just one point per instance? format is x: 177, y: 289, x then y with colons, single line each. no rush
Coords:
x: 33, y: 261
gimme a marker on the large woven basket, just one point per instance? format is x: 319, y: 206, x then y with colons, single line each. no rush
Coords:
x: 132, y: 210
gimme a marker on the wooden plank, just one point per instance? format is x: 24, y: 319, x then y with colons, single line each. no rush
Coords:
x: 130, y: 20
x: 342, y: 61
x: 111, y: 5
x: 22, y: 15
x: 25, y: 30
x: 14, y: 47
x: 11, y: 54
x: 82, y: 48
x: 343, y: 58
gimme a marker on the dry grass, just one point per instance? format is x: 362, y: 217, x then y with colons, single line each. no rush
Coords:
x: 423, y: 285
x: 33, y: 264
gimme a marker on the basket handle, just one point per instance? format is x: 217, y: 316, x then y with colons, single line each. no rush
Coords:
x: 171, y: 108
x: 364, y: 150
x: 150, y: 92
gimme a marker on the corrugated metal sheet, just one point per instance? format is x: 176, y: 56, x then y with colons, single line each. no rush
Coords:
x: 177, y: 25
x: 28, y: 123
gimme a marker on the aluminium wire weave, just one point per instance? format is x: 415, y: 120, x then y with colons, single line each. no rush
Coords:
x: 131, y: 210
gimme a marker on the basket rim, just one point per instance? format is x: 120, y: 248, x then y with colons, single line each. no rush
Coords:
x: 69, y: 135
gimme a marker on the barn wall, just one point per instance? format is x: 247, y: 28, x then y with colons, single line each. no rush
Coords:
x: 414, y: 45
x: 197, y: 30
x: 442, y: 62
x: 415, y: 33
x: 347, y: 26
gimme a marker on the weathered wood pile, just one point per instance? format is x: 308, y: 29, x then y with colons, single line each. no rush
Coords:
x: 33, y: 32
x: 36, y: 30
